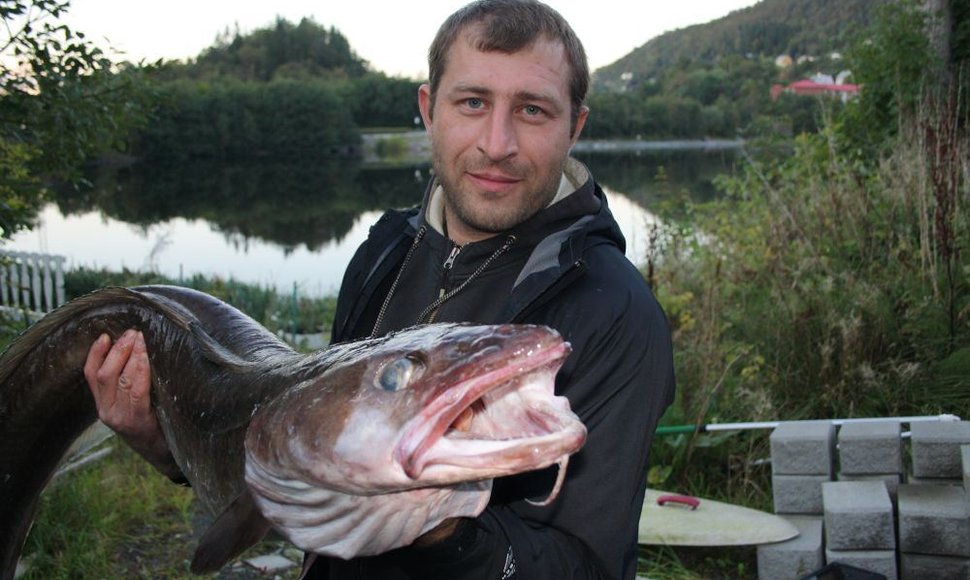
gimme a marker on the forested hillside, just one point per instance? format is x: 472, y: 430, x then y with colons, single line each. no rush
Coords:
x: 280, y: 50
x: 706, y: 81
x: 767, y: 29
x: 715, y: 79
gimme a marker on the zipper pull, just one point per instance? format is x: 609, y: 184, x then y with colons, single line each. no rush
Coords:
x: 450, y: 261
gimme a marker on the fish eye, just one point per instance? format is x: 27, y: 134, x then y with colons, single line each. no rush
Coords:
x: 398, y: 374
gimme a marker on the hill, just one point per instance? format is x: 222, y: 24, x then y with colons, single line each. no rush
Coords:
x: 767, y: 29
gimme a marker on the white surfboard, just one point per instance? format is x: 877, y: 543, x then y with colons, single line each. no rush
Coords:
x: 674, y: 521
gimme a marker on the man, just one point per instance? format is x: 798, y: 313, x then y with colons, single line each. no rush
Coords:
x: 510, y: 230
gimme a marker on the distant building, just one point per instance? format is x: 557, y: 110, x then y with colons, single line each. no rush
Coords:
x: 844, y: 91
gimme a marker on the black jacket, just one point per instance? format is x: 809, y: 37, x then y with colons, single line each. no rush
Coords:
x: 564, y: 268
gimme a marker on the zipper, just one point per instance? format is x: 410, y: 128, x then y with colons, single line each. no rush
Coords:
x: 431, y: 312
x: 446, y: 272
x: 450, y: 260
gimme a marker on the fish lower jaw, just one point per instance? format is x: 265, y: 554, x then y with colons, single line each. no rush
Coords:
x: 454, y: 459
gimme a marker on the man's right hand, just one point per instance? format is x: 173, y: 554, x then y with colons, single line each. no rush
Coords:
x: 119, y: 377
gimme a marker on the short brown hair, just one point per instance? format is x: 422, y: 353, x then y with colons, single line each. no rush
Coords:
x: 509, y: 26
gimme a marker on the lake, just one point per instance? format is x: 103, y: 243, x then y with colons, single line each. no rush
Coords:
x: 281, y: 225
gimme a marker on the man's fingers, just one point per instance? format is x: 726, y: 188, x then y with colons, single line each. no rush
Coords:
x: 96, y: 355
x: 117, y: 358
x: 136, y: 376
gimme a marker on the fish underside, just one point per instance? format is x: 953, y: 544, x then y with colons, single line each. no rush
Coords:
x: 351, y: 450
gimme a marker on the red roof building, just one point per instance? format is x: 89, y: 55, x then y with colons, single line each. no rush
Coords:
x: 809, y: 87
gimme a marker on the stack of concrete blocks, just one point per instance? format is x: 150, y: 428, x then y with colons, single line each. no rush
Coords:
x: 934, y: 521
x: 872, y: 520
x: 859, y: 526
x: 802, y: 460
x: 872, y: 451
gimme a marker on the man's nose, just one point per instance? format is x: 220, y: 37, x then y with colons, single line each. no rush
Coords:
x: 498, y: 140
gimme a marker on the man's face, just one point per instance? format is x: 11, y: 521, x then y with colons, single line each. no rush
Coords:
x: 500, y: 134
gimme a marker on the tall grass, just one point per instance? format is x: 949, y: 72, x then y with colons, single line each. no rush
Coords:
x: 88, y: 519
x: 822, y: 286
x: 278, y: 311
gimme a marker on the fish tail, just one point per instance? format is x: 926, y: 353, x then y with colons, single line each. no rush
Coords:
x: 45, y: 403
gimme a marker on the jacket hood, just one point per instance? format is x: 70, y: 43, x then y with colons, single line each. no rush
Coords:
x: 546, y: 254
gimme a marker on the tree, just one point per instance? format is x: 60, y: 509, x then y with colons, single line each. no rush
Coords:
x: 281, y: 50
x: 890, y: 61
x: 61, y: 101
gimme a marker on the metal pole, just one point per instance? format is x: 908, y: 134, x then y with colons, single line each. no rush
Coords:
x: 675, y: 429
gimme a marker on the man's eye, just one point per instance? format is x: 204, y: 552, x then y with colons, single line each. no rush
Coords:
x: 474, y: 103
x: 532, y: 110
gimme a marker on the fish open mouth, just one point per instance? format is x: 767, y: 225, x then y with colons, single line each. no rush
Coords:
x: 502, y: 422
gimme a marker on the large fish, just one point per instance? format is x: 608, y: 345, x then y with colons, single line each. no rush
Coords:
x: 352, y: 450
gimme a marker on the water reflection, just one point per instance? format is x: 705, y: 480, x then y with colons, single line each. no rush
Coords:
x: 286, y: 224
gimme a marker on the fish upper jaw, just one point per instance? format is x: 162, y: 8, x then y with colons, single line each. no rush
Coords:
x: 510, y: 421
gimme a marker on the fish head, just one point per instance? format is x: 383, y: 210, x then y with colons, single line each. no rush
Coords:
x: 404, y: 432
x: 429, y: 406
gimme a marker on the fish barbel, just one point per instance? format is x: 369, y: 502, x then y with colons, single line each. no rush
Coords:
x: 352, y: 450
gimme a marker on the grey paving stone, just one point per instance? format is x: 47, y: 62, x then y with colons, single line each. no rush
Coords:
x: 890, y: 480
x: 858, y: 516
x: 796, y: 557
x: 803, y: 448
x: 923, y: 567
x: 878, y: 561
x: 933, y: 520
x: 798, y: 494
x: 870, y: 448
x: 935, y: 446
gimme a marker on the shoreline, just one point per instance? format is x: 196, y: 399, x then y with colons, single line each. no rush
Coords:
x: 413, y: 146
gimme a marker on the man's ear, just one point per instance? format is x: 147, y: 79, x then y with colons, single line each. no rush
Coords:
x: 425, y: 104
x: 580, y: 122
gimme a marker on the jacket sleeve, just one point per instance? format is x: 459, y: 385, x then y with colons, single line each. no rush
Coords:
x: 619, y: 380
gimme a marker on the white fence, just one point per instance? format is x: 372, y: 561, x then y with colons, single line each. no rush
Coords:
x: 31, y: 284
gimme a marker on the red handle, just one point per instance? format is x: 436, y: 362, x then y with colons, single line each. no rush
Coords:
x: 693, y: 502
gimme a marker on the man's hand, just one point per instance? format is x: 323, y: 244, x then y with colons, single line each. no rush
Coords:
x: 439, y: 533
x: 119, y: 377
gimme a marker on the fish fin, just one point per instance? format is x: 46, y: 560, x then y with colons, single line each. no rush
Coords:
x: 238, y: 528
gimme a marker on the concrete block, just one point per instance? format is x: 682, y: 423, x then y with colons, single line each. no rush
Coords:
x: 890, y: 480
x: 965, y: 465
x: 803, y: 448
x: 933, y: 520
x: 913, y: 480
x: 867, y: 448
x: 878, y: 561
x: 935, y: 447
x: 796, y: 557
x: 921, y: 567
x: 858, y: 516
x: 798, y: 494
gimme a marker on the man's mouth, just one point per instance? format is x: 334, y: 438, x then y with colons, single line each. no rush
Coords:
x: 496, y: 182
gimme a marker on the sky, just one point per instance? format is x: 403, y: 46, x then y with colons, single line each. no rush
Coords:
x: 392, y: 35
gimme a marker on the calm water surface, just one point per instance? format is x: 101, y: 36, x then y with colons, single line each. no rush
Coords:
x: 286, y: 225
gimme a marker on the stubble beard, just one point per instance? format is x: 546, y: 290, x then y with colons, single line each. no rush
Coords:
x: 488, y: 218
